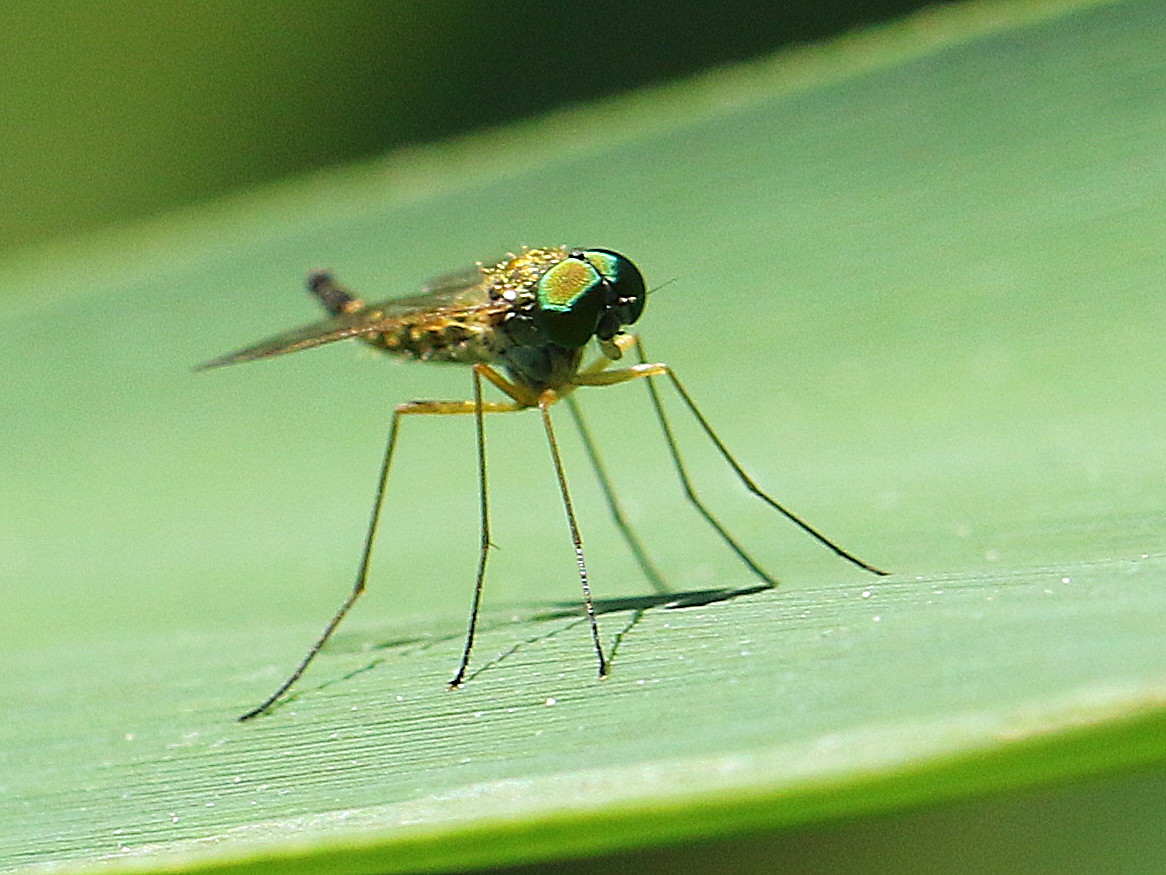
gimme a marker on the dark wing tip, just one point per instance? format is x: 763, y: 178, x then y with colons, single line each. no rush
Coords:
x: 244, y: 355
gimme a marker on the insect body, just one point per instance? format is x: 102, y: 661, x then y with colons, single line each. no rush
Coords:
x: 522, y: 325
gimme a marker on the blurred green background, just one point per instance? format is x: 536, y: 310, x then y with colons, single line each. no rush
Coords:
x: 112, y: 111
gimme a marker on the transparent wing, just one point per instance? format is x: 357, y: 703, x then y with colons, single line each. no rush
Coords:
x: 464, y: 291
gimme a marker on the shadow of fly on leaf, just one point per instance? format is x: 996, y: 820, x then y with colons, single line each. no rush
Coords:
x: 524, y: 325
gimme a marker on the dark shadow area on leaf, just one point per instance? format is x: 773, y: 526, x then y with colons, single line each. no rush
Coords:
x: 696, y: 598
x: 574, y: 612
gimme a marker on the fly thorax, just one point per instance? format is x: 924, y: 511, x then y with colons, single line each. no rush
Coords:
x: 548, y: 366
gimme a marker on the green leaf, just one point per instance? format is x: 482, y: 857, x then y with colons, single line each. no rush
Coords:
x: 917, y: 290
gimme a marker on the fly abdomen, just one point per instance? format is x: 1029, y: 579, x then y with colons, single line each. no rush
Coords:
x: 439, y: 340
x: 335, y: 298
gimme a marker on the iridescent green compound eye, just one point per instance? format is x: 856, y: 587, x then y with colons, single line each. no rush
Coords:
x: 570, y: 297
x: 625, y: 283
x: 593, y: 291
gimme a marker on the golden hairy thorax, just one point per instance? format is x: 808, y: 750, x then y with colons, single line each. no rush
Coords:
x: 465, y: 328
